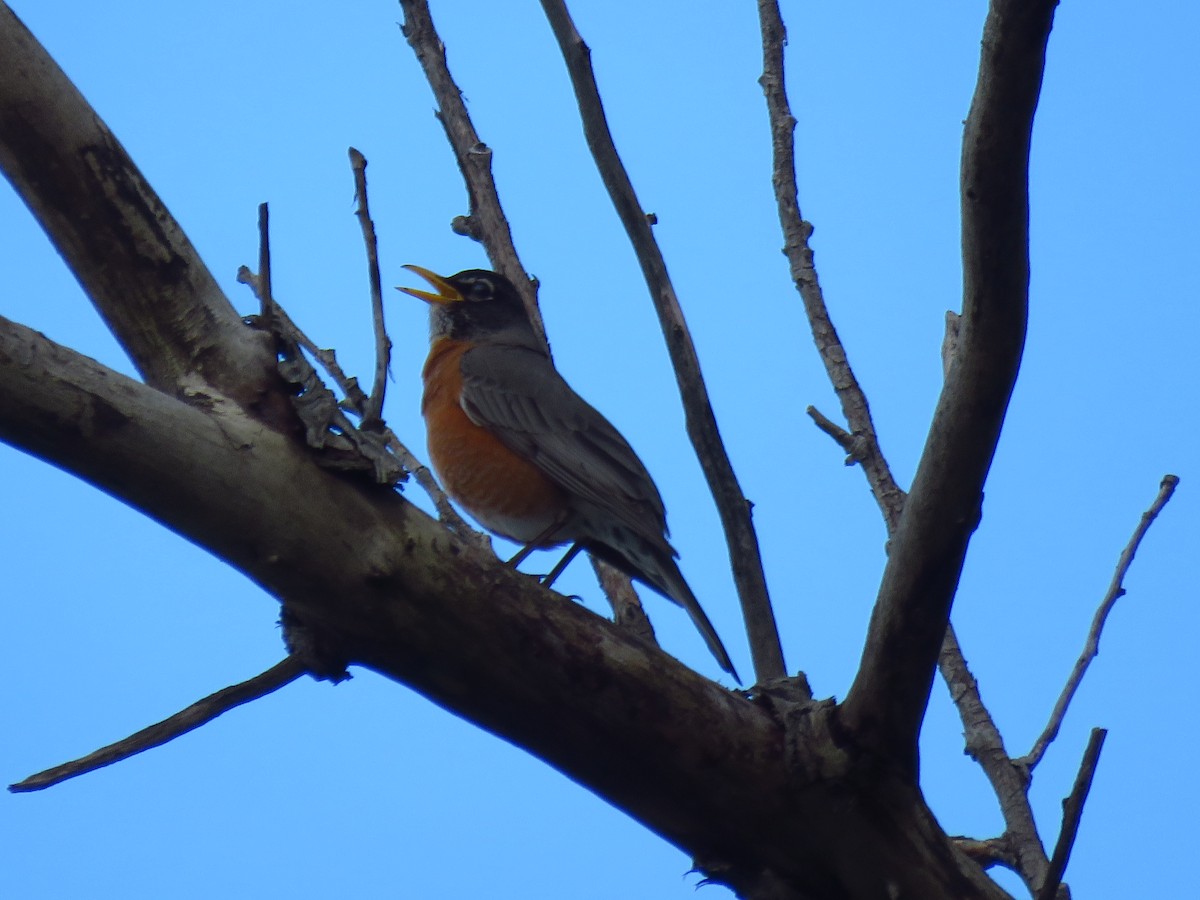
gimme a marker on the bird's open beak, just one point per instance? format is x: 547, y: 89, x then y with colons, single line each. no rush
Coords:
x: 446, y: 292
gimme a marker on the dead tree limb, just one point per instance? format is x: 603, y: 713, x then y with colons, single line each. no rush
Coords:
x: 199, y: 713
x: 1091, y: 646
x: 744, y: 556
x: 863, y: 447
x: 1072, y: 816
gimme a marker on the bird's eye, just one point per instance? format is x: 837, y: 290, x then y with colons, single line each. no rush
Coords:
x: 481, y: 290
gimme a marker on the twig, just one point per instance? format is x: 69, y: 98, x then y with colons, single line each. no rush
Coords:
x: 446, y: 513
x: 199, y: 713
x: 354, y: 401
x: 987, y: 853
x: 626, y: 606
x: 985, y: 745
x: 265, y: 297
x: 486, y: 222
x: 372, y: 410
x: 855, y: 445
x: 701, y: 423
x: 1091, y: 647
x: 325, y: 420
x: 1072, y: 813
x: 796, y: 232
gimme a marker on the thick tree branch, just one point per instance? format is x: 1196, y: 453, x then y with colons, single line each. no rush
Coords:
x: 130, y: 255
x: 888, y: 697
x: 750, y: 794
x: 199, y: 713
x: 701, y: 423
x: 864, y: 444
x: 1091, y: 647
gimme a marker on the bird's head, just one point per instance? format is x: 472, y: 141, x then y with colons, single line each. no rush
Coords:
x: 473, y: 304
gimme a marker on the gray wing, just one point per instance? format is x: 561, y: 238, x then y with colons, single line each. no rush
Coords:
x: 516, y: 393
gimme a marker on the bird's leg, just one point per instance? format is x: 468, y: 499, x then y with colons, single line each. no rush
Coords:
x: 541, y: 540
x: 562, y: 564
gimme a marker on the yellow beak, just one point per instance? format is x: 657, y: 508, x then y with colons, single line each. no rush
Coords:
x: 447, y: 293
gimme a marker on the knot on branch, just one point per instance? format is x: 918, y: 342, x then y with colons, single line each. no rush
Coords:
x: 812, y: 750
x: 466, y: 227
x: 312, y: 649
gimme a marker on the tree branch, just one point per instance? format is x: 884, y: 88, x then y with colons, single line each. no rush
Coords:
x: 887, y: 701
x: 1091, y: 647
x: 1072, y: 815
x: 626, y: 605
x: 796, y: 232
x: 199, y: 713
x: 985, y: 745
x: 373, y: 409
x: 486, y: 223
x: 131, y: 257
x: 701, y: 423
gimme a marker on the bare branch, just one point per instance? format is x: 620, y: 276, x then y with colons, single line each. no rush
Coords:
x: 701, y: 423
x: 136, y: 264
x: 372, y: 410
x: 987, y: 853
x: 889, y: 695
x: 486, y: 222
x: 626, y: 605
x: 985, y: 745
x: 266, y: 297
x: 796, y: 232
x: 1091, y: 647
x: 1072, y: 814
x: 199, y: 713
x: 855, y: 445
x: 327, y: 427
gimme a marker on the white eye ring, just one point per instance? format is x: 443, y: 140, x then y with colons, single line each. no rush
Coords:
x: 481, y: 290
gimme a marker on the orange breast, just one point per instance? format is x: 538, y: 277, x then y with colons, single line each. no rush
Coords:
x: 504, y: 491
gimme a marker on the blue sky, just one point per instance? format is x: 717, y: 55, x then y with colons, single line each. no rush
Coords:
x: 366, y: 789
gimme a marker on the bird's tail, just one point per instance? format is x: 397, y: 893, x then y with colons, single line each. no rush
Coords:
x: 659, y: 570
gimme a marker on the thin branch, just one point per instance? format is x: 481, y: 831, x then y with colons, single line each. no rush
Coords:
x: 372, y: 411
x: 626, y: 605
x: 701, y: 423
x: 1072, y: 814
x: 446, y: 512
x: 985, y: 745
x: 1091, y: 647
x: 887, y: 701
x: 857, y: 448
x: 987, y: 853
x: 200, y: 713
x: 486, y: 223
x: 265, y: 297
x: 796, y: 232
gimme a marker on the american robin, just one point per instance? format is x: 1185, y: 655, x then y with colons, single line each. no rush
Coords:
x: 526, y: 455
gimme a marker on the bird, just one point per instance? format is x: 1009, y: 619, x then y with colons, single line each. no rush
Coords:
x: 525, y: 455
